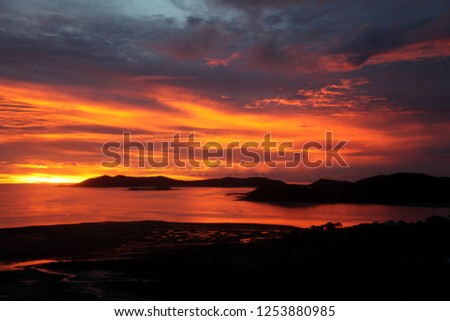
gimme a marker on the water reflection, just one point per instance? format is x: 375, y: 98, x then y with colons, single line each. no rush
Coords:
x: 26, y: 205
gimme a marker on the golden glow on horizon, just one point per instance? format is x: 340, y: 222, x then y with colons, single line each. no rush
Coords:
x: 45, y: 179
x: 41, y: 179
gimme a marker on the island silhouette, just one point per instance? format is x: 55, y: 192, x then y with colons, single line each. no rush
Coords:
x: 397, y: 189
x: 158, y: 181
x: 410, y: 189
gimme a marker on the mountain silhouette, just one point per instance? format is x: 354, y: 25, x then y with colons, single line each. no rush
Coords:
x: 162, y: 181
x: 395, y: 189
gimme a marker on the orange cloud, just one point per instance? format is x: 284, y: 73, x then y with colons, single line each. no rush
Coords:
x: 344, y: 95
x: 58, y: 155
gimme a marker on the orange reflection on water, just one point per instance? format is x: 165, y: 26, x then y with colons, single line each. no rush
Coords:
x: 23, y: 265
x: 26, y: 205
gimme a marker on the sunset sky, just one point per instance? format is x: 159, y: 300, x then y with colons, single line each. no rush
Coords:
x: 74, y: 75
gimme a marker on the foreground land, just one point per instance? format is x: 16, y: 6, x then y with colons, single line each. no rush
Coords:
x: 178, y: 261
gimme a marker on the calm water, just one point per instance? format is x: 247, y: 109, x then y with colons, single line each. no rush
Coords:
x: 26, y: 205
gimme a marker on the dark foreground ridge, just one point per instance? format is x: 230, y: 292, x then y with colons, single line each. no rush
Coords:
x: 162, y: 181
x: 397, y: 189
x: 178, y: 261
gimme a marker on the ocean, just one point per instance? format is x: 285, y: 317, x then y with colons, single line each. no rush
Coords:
x: 46, y: 204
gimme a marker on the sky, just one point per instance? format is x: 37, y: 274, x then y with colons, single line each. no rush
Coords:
x: 74, y: 75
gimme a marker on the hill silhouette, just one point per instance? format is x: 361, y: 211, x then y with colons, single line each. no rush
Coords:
x: 162, y: 181
x: 395, y: 189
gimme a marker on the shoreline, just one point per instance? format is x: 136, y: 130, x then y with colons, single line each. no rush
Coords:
x: 154, y: 260
x: 118, y: 239
x: 149, y: 221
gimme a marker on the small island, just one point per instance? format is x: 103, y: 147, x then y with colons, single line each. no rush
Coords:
x: 151, y: 188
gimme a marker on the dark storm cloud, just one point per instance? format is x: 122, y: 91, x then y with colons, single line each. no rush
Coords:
x: 358, y: 30
x: 251, y: 5
x: 70, y: 41
x: 65, y: 43
x: 419, y: 86
x: 194, y: 43
x: 374, y: 40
